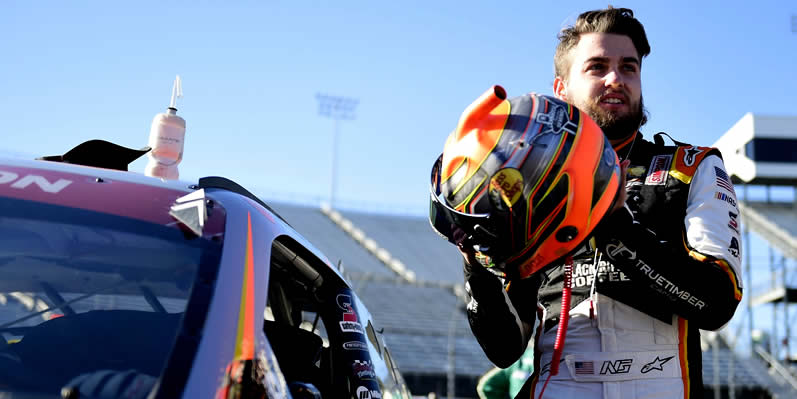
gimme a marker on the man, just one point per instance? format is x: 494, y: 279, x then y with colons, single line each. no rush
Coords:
x: 661, y: 266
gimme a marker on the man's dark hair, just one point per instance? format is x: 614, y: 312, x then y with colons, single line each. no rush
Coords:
x: 620, y: 21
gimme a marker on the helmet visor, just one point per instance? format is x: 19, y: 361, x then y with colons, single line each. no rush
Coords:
x: 457, y: 227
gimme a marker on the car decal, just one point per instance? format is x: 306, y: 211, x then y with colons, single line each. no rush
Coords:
x: 106, y: 194
x: 245, y: 342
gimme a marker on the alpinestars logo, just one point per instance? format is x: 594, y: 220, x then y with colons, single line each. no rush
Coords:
x: 690, y: 154
x: 656, y: 364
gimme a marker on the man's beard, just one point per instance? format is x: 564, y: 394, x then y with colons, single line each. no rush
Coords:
x: 616, y: 126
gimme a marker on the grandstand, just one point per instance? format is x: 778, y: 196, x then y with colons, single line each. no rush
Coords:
x: 424, y: 319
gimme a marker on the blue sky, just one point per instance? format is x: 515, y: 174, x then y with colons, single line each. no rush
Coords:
x: 74, y: 71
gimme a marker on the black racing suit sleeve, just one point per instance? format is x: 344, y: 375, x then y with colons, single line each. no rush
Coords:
x: 500, y: 315
x: 699, y: 291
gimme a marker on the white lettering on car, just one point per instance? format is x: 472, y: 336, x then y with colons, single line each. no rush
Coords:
x: 27, y: 180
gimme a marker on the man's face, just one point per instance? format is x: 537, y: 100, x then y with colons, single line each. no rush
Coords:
x: 604, y: 81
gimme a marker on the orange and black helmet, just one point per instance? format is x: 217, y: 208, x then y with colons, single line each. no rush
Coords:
x: 523, y: 180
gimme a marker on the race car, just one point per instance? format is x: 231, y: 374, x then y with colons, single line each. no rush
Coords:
x: 115, y: 284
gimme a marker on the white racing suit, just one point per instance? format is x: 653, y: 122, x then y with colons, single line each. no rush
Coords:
x: 654, y: 273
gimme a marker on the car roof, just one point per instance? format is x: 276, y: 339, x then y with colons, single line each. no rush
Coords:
x: 123, y: 193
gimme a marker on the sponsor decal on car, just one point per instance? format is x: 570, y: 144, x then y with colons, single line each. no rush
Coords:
x: 351, y: 326
x: 363, y: 369
x: 344, y: 303
x: 23, y: 181
x: 350, y: 322
x: 355, y: 345
x: 365, y: 393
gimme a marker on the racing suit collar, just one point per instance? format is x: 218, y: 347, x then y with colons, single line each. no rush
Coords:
x: 624, y: 147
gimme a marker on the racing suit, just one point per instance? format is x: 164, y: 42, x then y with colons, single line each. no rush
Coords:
x: 654, y: 272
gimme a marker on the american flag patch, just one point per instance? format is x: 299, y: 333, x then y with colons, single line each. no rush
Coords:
x: 723, y: 180
x: 584, y: 367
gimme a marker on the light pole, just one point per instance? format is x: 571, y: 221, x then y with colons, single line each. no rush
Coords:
x: 337, y: 108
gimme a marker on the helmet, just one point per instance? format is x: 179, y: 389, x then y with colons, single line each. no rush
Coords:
x: 523, y: 180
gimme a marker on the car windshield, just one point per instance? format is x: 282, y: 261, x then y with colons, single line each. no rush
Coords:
x: 84, y: 293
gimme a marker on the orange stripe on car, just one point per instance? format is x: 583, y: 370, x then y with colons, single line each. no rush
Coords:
x: 245, y: 342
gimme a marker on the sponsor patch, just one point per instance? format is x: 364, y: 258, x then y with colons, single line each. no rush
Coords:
x: 585, y: 368
x: 365, y: 393
x: 507, y: 184
x: 616, y: 249
x: 690, y: 155
x: 355, y: 346
x: 344, y: 303
x: 557, y: 119
x: 656, y: 364
x: 733, y: 224
x: 725, y: 197
x: 734, y: 247
x: 622, y: 366
x: 351, y: 326
x: 723, y: 180
x: 635, y: 172
x: 585, y: 273
x: 363, y: 370
x: 657, y: 172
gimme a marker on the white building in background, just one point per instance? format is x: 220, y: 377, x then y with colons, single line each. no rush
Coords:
x: 761, y: 149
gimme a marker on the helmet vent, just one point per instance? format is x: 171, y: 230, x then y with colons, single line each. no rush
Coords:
x: 567, y: 233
